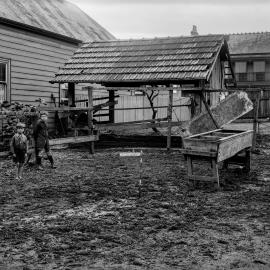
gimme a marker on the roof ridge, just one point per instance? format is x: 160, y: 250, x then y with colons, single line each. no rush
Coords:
x: 248, y: 33
x: 155, y: 38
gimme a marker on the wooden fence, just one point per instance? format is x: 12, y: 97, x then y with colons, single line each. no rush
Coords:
x: 138, y: 101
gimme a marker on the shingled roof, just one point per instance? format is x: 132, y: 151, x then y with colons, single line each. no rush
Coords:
x: 144, y: 60
x: 249, y: 43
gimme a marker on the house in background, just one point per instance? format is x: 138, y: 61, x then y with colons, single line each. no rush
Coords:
x: 250, y: 56
x: 36, y: 38
x: 187, y: 62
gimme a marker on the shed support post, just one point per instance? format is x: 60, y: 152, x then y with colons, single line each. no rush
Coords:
x: 71, y: 94
x: 169, y: 115
x: 90, y: 117
x: 111, y: 107
x: 255, y: 119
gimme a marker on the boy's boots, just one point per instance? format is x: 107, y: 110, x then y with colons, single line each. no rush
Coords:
x: 52, y: 162
x: 39, y: 163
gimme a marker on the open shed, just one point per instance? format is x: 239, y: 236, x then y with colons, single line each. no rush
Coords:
x: 186, y: 64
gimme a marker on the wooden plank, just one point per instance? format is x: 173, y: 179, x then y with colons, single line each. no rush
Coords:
x: 48, y: 72
x: 229, y: 148
x: 145, y: 108
x: 32, y: 39
x: 71, y: 95
x: 63, y: 109
x: 255, y: 119
x: 136, y: 126
x: 101, y: 115
x: 37, y: 77
x: 248, y: 160
x: 220, y: 134
x: 33, y: 88
x: 211, y: 138
x: 111, y: 107
x: 15, y: 52
x: 233, y: 107
x: 202, y: 134
x: 214, y: 166
x: 169, y: 116
x: 90, y: 117
x: 67, y: 109
x: 198, y: 153
x: 140, y: 88
x: 34, y: 60
x: 18, y: 44
x: 30, y: 82
x: 78, y: 139
x: 225, y: 145
x: 189, y: 166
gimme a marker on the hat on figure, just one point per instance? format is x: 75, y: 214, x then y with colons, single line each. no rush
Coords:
x: 43, y: 113
x: 20, y: 125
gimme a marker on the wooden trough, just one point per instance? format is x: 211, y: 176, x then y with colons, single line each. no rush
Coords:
x: 229, y: 146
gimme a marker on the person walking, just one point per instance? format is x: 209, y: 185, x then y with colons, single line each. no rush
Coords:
x: 19, y: 149
x: 41, y: 138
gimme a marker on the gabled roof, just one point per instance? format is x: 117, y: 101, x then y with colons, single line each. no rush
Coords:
x: 58, y: 16
x: 249, y: 43
x: 144, y: 60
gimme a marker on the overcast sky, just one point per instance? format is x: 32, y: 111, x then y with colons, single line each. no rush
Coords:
x: 159, y: 18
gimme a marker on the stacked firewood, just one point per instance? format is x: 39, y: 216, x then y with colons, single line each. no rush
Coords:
x: 11, y: 114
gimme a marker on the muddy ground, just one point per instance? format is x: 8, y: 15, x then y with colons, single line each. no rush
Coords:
x: 87, y: 214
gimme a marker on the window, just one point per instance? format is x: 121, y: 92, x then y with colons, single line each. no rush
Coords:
x: 241, y: 71
x: 242, y: 77
x: 4, y: 80
x: 240, y: 67
x: 259, y: 76
x: 259, y: 70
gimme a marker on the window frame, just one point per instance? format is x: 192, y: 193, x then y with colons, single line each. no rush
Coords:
x: 6, y: 83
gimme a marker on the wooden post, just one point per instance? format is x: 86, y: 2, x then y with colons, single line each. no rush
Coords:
x: 90, y: 117
x: 169, y: 115
x: 111, y: 107
x: 215, y: 170
x: 71, y: 94
x: 247, y: 160
x: 255, y: 119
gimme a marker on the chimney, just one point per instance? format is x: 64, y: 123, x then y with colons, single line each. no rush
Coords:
x: 194, y: 31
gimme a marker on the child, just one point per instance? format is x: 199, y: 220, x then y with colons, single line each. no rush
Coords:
x: 41, y: 138
x: 19, y: 149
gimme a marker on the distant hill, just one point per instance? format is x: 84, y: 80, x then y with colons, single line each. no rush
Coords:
x: 59, y: 16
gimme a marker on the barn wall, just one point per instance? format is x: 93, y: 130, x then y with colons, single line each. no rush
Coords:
x: 34, y: 61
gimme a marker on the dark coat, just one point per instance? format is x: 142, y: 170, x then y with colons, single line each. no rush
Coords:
x: 41, y: 136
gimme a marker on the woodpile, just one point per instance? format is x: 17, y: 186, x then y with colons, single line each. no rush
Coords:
x: 10, y: 115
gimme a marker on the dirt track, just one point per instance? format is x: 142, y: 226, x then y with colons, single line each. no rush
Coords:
x: 87, y: 215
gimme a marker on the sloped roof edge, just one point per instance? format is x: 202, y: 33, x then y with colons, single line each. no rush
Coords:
x: 39, y: 31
